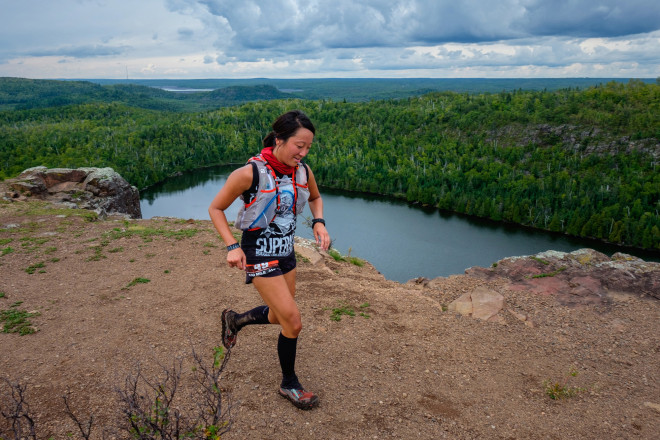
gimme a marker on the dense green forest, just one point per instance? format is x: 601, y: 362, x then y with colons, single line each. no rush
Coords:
x: 581, y: 162
x: 20, y: 93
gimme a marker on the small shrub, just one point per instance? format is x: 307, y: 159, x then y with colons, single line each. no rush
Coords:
x: 151, y: 407
x: 557, y: 390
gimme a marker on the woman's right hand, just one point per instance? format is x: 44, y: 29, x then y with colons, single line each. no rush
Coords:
x: 236, y: 258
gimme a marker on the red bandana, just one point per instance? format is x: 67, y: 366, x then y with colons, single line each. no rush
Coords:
x: 267, y: 153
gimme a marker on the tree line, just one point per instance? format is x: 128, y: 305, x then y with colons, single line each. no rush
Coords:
x: 581, y: 162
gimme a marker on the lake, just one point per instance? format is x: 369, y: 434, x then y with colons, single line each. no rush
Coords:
x: 401, y: 240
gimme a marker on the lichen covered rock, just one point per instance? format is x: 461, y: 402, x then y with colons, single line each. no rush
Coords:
x: 580, y: 277
x: 99, y: 189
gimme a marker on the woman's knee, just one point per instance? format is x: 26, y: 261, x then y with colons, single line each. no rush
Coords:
x: 291, y: 323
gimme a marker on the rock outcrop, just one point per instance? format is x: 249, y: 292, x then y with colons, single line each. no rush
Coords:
x: 581, y: 277
x: 100, y: 189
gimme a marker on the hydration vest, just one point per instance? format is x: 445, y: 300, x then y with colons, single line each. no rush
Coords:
x: 262, y: 209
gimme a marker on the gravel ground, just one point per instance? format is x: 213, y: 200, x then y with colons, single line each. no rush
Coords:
x: 402, y: 367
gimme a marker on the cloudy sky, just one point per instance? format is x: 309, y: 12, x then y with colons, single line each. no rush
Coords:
x: 329, y: 38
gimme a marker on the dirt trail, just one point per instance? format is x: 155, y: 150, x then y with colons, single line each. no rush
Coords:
x: 401, y: 368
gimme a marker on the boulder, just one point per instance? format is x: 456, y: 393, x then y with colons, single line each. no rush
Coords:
x: 462, y: 305
x: 486, y: 303
x: 482, y: 303
x: 99, y: 189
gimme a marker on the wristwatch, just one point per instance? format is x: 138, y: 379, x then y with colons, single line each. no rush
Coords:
x: 317, y: 220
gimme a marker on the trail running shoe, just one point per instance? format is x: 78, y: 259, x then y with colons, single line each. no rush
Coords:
x: 299, y: 397
x: 228, y: 328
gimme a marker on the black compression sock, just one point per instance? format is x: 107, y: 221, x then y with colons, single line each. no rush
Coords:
x: 258, y: 315
x: 286, y: 350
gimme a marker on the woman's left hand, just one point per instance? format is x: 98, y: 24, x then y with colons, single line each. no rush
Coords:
x: 321, y: 235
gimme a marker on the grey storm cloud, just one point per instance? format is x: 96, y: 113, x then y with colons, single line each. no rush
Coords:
x: 306, y: 26
x: 579, y: 18
x: 292, y: 38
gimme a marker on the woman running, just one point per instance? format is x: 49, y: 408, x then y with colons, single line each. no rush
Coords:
x: 274, y: 187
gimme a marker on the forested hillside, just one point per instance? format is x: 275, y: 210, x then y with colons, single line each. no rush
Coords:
x: 21, y: 94
x: 580, y: 162
x: 367, y: 89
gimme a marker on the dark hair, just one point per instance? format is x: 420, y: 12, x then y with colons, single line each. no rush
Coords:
x: 287, y: 125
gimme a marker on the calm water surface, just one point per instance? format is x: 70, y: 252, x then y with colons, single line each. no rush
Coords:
x: 402, y: 241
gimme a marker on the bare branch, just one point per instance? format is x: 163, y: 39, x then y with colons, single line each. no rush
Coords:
x: 85, y: 431
x: 16, y: 411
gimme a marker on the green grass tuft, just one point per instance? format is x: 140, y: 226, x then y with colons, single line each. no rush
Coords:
x: 336, y: 255
x: 551, y: 274
x: 545, y: 263
x: 138, y: 281
x: 147, y: 233
x: 337, y: 312
x: 348, y: 310
x: 34, y: 267
x: 16, y: 321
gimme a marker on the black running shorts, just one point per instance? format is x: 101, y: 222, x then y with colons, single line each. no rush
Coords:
x: 267, y: 267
